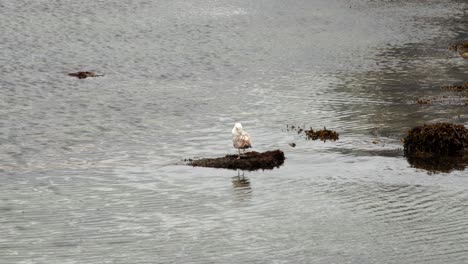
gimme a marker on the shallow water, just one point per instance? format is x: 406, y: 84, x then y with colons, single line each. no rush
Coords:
x: 92, y: 172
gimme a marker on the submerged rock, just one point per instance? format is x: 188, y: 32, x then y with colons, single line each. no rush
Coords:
x: 440, y: 139
x: 250, y: 161
x: 84, y: 74
x: 452, y: 95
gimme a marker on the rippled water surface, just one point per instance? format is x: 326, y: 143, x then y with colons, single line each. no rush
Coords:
x: 92, y: 171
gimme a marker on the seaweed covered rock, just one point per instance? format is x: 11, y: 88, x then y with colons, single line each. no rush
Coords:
x: 84, y: 74
x: 323, y: 134
x: 250, y: 161
x: 440, y: 139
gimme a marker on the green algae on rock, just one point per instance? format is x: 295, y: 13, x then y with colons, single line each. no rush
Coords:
x: 440, y: 139
x: 249, y: 161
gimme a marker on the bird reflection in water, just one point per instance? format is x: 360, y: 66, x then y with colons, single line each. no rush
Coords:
x: 240, y: 181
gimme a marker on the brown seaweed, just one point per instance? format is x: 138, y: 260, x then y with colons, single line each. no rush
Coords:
x: 323, y: 134
x: 440, y: 139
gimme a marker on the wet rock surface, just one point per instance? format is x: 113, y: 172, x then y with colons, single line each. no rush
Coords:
x: 249, y: 161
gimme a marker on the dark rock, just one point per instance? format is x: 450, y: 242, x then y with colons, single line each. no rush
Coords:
x: 249, y: 161
x: 84, y: 74
x: 440, y: 139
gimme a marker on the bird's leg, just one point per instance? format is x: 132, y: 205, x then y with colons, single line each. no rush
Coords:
x: 238, y: 157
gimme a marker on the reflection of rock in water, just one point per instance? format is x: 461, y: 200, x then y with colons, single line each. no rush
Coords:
x: 439, y: 164
x: 240, y: 181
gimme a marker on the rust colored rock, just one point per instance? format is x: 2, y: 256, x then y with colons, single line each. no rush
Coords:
x: 250, y: 161
x: 84, y: 74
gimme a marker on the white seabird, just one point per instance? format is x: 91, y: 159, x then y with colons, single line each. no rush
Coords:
x: 240, y: 138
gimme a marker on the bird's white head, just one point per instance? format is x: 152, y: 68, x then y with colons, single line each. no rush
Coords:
x: 237, y: 129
